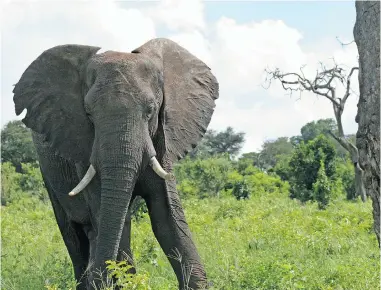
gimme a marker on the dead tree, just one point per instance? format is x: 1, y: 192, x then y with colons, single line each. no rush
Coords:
x: 324, y: 84
x: 367, y: 37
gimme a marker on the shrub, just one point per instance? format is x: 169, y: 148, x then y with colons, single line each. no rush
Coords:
x: 322, y: 187
x: 10, y: 184
x: 305, y: 164
x: 202, y: 177
x: 31, y: 181
x: 15, y: 186
x: 241, y: 190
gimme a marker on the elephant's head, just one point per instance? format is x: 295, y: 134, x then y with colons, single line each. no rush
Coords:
x: 116, y: 111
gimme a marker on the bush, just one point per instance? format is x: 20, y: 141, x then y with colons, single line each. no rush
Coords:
x: 203, y: 177
x: 216, y: 176
x: 31, y: 181
x: 15, y: 186
x: 10, y: 184
x: 322, y: 188
x: 241, y: 190
x: 305, y: 164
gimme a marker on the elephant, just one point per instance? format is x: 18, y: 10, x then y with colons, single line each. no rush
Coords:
x: 108, y: 127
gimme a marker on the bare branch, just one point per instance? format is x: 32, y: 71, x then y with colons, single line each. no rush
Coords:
x: 347, y: 91
x: 342, y: 43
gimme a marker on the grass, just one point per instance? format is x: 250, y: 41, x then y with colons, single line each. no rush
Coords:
x: 267, y: 242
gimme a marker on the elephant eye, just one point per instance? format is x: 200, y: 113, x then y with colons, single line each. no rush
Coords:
x: 150, y: 109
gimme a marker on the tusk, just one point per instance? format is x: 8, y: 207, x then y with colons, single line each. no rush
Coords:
x: 159, y: 170
x: 84, y: 182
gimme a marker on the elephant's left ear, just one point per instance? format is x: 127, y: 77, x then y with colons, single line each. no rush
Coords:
x: 52, y: 90
x: 190, y: 91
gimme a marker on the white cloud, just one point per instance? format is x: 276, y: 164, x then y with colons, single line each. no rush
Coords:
x: 238, y: 53
x: 179, y: 15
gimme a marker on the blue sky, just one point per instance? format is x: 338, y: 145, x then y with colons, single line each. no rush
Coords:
x: 237, y: 39
x: 315, y: 19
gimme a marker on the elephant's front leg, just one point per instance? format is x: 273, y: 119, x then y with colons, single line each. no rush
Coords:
x: 172, y: 231
x: 75, y: 240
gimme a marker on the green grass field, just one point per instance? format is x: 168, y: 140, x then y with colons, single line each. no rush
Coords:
x: 267, y: 242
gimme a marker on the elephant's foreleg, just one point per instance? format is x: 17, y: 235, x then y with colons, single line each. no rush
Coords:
x: 75, y: 240
x: 172, y: 232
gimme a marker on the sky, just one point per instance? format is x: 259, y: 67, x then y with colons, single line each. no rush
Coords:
x: 238, y: 40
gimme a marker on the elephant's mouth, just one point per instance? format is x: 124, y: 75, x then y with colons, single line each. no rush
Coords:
x: 154, y: 163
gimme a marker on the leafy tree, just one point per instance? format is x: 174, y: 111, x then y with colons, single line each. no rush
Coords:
x: 17, y: 145
x: 272, y: 151
x: 305, y: 164
x: 327, y: 127
x: 282, y: 168
x: 315, y: 128
x: 214, y: 142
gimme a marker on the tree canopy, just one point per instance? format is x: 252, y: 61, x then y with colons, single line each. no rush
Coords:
x: 228, y: 141
x: 16, y: 145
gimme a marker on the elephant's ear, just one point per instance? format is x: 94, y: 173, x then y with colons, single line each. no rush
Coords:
x: 52, y: 90
x: 190, y: 91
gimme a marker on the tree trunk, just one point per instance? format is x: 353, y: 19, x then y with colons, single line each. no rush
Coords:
x: 367, y: 37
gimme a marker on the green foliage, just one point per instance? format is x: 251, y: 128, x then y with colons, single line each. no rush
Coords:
x: 262, y: 183
x: 17, y: 145
x: 33, y: 252
x: 31, y: 181
x: 15, y: 186
x: 215, y: 143
x: 272, y: 151
x: 10, y: 184
x: 217, y: 176
x: 202, y: 177
x: 124, y: 279
x: 345, y: 172
x: 282, y: 168
x: 313, y: 129
x: 241, y: 190
x: 323, y: 126
x: 322, y: 187
x: 305, y: 164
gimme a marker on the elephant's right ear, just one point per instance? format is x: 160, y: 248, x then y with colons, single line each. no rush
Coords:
x: 52, y: 90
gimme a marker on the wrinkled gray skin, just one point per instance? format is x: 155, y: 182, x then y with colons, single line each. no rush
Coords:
x: 115, y: 111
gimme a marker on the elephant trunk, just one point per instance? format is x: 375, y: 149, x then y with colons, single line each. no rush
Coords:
x: 120, y: 160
